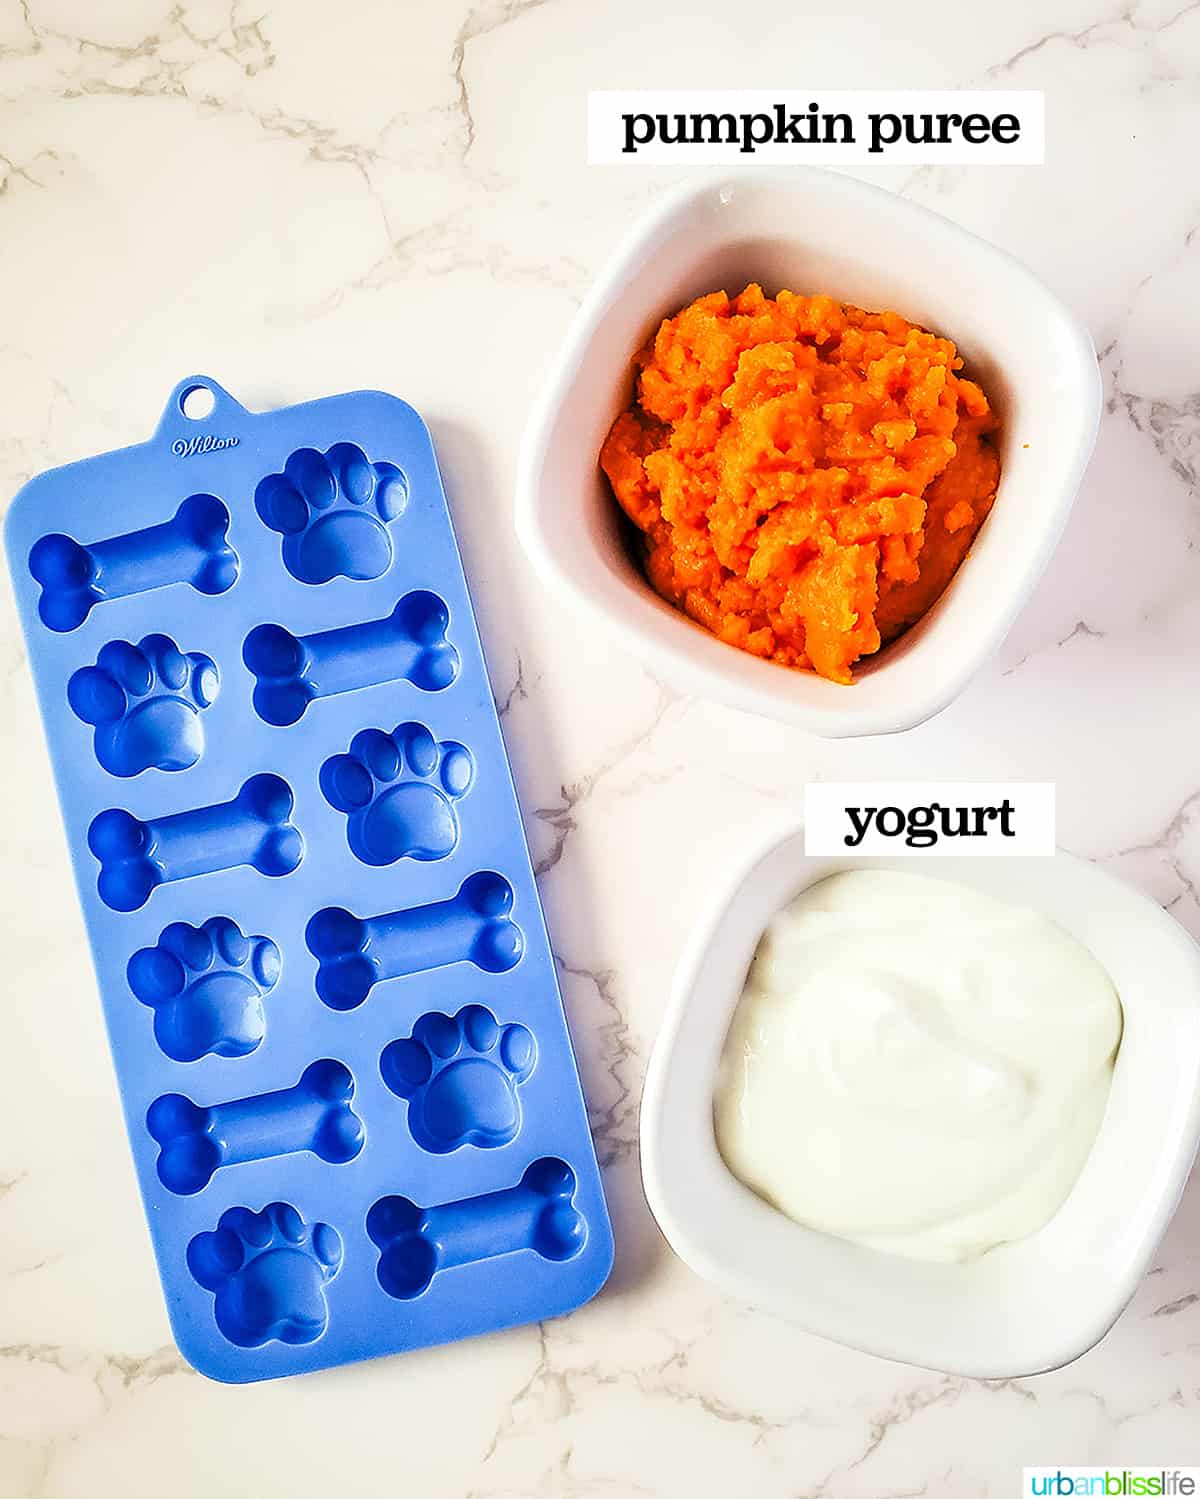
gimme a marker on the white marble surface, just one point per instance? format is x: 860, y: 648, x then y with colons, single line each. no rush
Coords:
x: 302, y: 198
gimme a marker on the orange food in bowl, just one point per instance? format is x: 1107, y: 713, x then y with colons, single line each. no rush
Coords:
x: 807, y: 476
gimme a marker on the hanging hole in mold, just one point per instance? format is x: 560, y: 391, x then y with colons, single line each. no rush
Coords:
x: 197, y: 403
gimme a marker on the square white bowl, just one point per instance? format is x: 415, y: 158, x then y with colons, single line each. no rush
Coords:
x: 810, y: 230
x: 1023, y: 1307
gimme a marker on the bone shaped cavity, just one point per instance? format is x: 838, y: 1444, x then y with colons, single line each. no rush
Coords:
x: 189, y: 548
x: 355, y: 953
x: 409, y: 645
x: 314, y: 1115
x: 415, y: 1242
x: 254, y: 828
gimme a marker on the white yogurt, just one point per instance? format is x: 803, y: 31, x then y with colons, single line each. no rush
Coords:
x: 916, y: 1065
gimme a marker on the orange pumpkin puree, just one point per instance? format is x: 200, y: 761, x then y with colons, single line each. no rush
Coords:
x: 807, y: 476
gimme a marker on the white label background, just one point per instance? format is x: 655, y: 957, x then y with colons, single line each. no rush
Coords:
x: 606, y: 126
x: 827, y: 823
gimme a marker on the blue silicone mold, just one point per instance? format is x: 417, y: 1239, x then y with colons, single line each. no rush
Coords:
x: 329, y: 990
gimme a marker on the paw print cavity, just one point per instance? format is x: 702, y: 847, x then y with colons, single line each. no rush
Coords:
x: 206, y: 986
x: 333, y: 511
x: 145, y: 702
x: 460, y: 1076
x: 268, y: 1272
x: 399, y: 791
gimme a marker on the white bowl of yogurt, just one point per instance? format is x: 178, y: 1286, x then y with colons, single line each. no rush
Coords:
x: 917, y: 1266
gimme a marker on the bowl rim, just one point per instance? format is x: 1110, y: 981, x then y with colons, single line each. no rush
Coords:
x: 681, y: 651
x: 665, y: 1118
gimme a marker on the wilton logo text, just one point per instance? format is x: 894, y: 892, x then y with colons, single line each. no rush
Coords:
x: 190, y: 447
